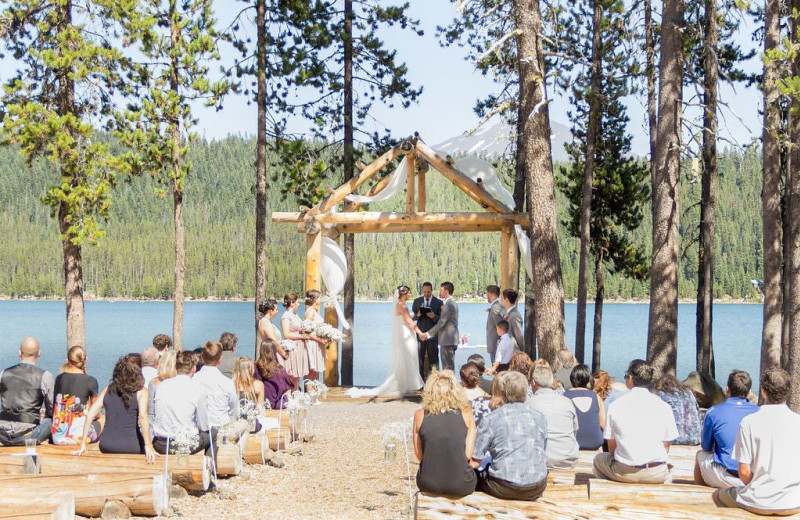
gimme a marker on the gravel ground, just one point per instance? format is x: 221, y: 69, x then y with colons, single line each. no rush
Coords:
x: 341, y: 473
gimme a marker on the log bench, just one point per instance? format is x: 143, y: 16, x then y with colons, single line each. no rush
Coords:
x: 27, y: 505
x: 144, y: 494
x: 255, y: 448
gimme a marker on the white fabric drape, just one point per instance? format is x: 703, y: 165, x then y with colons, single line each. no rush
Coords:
x: 334, y: 271
x: 482, y: 169
x: 395, y: 186
x: 524, y: 244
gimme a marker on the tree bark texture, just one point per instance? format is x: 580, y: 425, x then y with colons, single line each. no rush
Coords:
x: 662, y: 333
x: 650, y: 71
x: 261, y: 160
x: 537, y: 156
x: 349, y: 165
x: 792, y: 252
x: 771, y: 198
x: 599, y: 297
x: 73, y: 254
x: 595, y: 96
x: 708, y: 200
x: 177, y: 191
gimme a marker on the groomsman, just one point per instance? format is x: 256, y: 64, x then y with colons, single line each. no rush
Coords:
x: 513, y: 317
x: 496, y: 312
x: 425, y: 323
x: 446, y: 330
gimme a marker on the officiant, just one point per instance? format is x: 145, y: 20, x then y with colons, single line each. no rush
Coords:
x: 426, y: 311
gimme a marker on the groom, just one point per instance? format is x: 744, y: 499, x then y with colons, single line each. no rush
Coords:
x: 447, y: 329
x: 425, y: 323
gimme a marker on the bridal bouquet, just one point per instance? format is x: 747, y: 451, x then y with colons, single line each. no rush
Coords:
x: 328, y: 332
x: 308, y: 327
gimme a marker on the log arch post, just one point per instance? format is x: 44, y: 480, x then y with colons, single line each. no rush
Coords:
x: 331, y: 377
x: 509, y: 259
x: 409, y: 150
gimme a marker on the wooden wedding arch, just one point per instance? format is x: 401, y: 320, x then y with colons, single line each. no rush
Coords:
x: 322, y: 220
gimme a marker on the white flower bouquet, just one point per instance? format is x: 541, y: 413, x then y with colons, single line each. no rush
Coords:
x: 328, y: 332
x: 287, y: 345
x: 308, y: 327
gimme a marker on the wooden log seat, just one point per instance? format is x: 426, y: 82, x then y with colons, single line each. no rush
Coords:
x: 257, y: 443
x: 191, y: 472
x: 143, y: 493
x: 229, y: 457
x: 683, y: 494
x: 28, y: 505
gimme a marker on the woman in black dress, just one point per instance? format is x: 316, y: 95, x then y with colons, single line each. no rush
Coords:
x: 127, y: 428
x: 75, y: 392
x: 444, y: 438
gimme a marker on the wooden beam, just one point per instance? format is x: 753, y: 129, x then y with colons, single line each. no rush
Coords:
x: 313, y: 261
x: 352, y: 185
x: 467, y: 185
x: 421, y: 193
x: 418, y: 228
x: 379, y: 218
x: 411, y: 168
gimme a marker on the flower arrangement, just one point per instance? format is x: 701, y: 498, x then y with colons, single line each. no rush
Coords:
x: 298, y: 402
x: 287, y: 345
x: 328, y: 332
x: 308, y: 327
x: 234, y: 430
x: 316, y: 390
x: 396, y: 432
x: 185, y: 443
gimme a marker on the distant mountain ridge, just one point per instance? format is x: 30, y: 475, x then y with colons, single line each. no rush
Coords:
x: 497, y: 139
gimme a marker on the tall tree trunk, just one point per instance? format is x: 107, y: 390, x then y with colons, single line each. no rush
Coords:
x: 521, y: 204
x: 177, y: 188
x: 538, y: 159
x: 771, y: 198
x: 349, y: 160
x: 792, y: 253
x: 708, y: 200
x: 650, y: 71
x: 588, y: 180
x: 600, y: 295
x: 73, y: 256
x: 662, y: 333
x: 261, y: 160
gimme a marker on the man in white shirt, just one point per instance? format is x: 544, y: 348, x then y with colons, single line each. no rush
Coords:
x: 562, y: 420
x: 219, y: 392
x: 149, y: 365
x: 505, y: 349
x: 767, y: 452
x: 639, y: 428
x: 180, y: 410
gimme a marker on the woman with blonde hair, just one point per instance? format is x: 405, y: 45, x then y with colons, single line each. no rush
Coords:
x: 247, y: 387
x: 444, y: 438
x: 166, y: 370
x: 74, y: 392
x: 314, y: 345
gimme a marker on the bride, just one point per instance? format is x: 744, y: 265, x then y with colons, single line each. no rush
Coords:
x: 404, y: 375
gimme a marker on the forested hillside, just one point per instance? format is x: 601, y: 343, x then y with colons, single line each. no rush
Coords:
x: 135, y: 258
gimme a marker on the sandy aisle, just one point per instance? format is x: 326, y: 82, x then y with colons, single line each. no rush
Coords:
x: 341, y: 473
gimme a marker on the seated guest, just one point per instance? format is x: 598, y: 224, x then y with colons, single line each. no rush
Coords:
x: 684, y: 408
x: 127, y: 428
x: 639, y: 428
x: 222, y: 402
x: 75, y: 393
x: 606, y: 388
x: 444, y: 436
x: 562, y: 421
x: 247, y: 387
x: 149, y: 365
x: 505, y: 349
x: 162, y: 343
x: 228, y: 340
x: 715, y: 465
x: 478, y: 361
x: 568, y: 362
x: 522, y: 363
x: 588, y: 406
x: 26, y: 398
x: 766, y: 448
x: 166, y: 370
x: 515, y: 437
x: 479, y: 400
x: 180, y: 411
x: 272, y: 374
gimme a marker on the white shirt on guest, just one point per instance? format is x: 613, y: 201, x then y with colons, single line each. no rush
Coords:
x: 221, y: 399
x: 640, y: 422
x: 767, y: 442
x: 149, y: 373
x: 505, y: 349
x: 179, y: 408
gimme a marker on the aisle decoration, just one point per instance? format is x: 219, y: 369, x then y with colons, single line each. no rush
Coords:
x: 399, y: 433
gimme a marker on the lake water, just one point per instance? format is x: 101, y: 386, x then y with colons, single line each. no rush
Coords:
x: 115, y: 328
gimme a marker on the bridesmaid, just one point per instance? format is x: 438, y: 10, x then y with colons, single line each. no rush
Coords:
x: 315, y: 346
x: 267, y: 329
x: 297, y: 361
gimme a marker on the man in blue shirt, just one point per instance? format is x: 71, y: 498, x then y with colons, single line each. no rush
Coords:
x: 715, y: 466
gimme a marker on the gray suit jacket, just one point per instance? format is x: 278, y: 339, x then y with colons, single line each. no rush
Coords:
x: 515, y: 330
x: 447, y: 329
x: 496, y: 312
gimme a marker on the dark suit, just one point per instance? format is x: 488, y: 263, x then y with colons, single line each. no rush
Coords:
x: 425, y: 324
x: 515, y: 330
x: 496, y: 312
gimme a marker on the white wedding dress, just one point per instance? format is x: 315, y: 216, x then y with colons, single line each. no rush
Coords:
x: 404, y: 375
